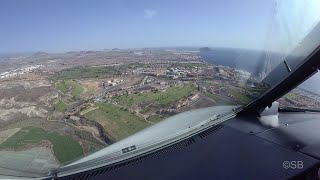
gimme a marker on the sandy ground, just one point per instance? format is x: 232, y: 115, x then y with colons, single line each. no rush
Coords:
x: 31, y: 111
x: 30, y: 99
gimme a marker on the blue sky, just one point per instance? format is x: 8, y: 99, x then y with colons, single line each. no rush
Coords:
x: 57, y: 26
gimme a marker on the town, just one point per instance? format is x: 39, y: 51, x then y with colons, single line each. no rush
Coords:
x: 91, y: 99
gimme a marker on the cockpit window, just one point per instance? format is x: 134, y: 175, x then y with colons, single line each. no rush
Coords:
x: 78, y: 77
x: 306, y: 96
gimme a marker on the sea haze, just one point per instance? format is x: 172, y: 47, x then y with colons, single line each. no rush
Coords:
x: 258, y: 63
x: 312, y: 84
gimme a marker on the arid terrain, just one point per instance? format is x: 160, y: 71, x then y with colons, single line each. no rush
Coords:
x: 71, y: 104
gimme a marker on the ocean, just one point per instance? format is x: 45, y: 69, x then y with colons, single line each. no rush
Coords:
x: 258, y: 63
